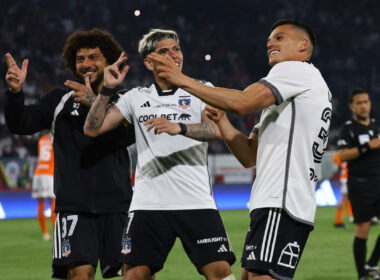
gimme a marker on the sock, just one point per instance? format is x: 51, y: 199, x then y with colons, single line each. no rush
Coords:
x: 339, y: 216
x: 41, y: 217
x: 53, y: 215
x: 360, y: 250
x: 349, y: 209
x: 374, y: 259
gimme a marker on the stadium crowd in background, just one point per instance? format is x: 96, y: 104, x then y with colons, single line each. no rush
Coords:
x: 346, y: 53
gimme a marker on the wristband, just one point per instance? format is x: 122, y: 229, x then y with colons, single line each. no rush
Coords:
x: 363, y: 148
x: 107, y: 91
x: 183, y: 128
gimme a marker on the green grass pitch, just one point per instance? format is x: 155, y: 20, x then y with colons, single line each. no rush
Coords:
x: 327, y: 256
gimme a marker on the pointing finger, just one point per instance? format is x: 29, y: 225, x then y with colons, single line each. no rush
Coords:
x: 9, y: 59
x: 24, y: 66
x: 87, y: 81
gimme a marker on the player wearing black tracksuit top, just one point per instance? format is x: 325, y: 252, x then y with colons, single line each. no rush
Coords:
x: 91, y: 177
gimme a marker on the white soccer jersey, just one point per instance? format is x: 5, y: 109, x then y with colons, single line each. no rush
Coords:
x: 172, y: 171
x: 292, y: 138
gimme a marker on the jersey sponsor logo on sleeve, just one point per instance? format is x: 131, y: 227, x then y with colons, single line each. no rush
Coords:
x: 363, y: 138
x: 341, y: 142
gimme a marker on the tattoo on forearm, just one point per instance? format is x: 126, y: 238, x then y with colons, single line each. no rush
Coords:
x: 204, y: 131
x: 89, y: 96
x: 97, y: 113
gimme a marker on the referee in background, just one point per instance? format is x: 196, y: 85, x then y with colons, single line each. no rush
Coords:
x: 359, y: 144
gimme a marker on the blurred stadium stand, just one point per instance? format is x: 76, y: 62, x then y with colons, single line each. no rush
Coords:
x: 232, y: 33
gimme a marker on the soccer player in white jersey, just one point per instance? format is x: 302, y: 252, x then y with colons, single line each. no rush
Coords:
x: 286, y: 146
x: 173, y: 193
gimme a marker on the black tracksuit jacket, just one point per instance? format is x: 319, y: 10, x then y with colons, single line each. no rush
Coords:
x: 91, y: 175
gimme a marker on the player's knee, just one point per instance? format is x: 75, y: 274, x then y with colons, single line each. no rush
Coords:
x: 82, y: 272
x: 217, y: 271
x: 229, y: 277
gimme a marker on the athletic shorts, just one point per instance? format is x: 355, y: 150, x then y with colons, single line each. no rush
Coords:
x: 150, y: 235
x: 364, y: 194
x: 274, y: 243
x: 86, y: 238
x: 43, y: 186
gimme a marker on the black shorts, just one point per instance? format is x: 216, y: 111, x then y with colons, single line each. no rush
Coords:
x: 364, y: 194
x: 150, y: 235
x: 274, y: 243
x: 87, y: 238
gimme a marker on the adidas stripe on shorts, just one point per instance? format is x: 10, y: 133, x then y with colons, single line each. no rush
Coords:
x: 150, y: 235
x: 274, y: 243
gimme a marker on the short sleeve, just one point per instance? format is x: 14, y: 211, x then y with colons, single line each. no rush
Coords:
x: 288, y: 79
x: 124, y: 105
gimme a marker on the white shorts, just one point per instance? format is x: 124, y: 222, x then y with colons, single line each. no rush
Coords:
x: 42, y: 186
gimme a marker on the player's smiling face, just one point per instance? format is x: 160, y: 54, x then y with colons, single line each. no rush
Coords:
x: 284, y: 45
x: 170, y: 48
x: 90, y: 62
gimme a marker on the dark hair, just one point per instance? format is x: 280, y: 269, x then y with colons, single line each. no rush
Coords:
x: 356, y: 91
x: 299, y: 25
x: 90, y: 39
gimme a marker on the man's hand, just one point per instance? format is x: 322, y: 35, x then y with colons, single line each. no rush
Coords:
x: 161, y: 125
x: 167, y: 69
x: 112, y: 75
x: 83, y: 93
x: 214, y: 114
x: 374, y: 143
x: 15, y: 76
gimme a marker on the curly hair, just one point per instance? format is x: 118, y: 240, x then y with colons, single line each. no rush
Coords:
x: 90, y: 39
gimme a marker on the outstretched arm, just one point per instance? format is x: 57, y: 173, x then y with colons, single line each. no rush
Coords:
x: 244, y: 148
x: 100, y: 120
x: 254, y: 97
x: 206, y: 130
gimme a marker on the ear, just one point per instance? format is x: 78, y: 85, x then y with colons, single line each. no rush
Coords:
x: 304, y: 45
x: 148, y: 64
x: 351, y: 107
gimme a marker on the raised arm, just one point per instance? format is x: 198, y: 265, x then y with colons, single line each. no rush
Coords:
x: 205, y: 131
x: 15, y: 76
x: 254, y: 97
x: 100, y: 120
x: 244, y: 148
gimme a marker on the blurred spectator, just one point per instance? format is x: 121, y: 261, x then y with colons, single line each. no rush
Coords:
x: 231, y: 33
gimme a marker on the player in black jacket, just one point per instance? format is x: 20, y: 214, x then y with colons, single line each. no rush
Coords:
x: 91, y: 175
x: 360, y: 145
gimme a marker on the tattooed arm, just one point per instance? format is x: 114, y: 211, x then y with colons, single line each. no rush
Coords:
x: 206, y: 131
x: 100, y: 120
